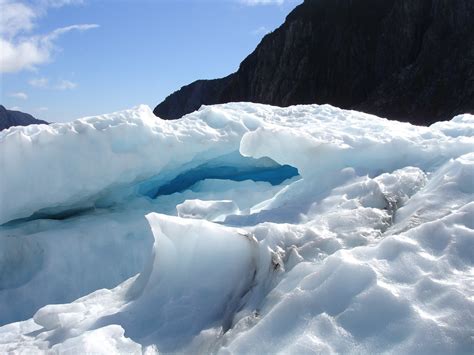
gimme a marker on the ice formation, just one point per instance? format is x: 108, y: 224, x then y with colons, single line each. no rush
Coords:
x: 240, y: 228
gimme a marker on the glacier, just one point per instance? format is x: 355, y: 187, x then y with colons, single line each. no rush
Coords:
x: 240, y: 228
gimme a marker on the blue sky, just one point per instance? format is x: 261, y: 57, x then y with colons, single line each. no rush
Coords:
x: 64, y: 59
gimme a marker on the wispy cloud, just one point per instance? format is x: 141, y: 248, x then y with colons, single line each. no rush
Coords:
x: 22, y: 50
x: 261, y: 2
x: 39, y: 82
x: 19, y: 95
x: 65, y: 85
x: 60, y: 31
x: 262, y: 30
x: 60, y: 3
x: 44, y: 83
x: 41, y: 109
x: 15, y: 108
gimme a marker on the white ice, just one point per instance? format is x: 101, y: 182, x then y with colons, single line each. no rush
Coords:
x: 124, y: 233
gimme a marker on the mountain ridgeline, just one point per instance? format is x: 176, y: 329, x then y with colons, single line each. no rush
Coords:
x: 409, y: 60
x: 9, y: 118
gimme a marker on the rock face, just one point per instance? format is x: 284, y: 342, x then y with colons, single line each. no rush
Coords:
x: 9, y: 118
x: 410, y: 60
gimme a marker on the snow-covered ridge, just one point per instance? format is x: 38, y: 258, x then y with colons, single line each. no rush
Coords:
x: 300, y: 229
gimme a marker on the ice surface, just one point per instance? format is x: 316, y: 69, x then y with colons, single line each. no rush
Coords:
x: 241, y: 228
x: 210, y: 210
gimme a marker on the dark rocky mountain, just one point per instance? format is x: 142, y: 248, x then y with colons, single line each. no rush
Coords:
x: 410, y: 60
x: 9, y: 118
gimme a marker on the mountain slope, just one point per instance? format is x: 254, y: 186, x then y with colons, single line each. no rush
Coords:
x: 9, y: 118
x: 405, y: 60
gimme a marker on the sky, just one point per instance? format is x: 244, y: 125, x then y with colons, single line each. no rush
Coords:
x: 65, y: 59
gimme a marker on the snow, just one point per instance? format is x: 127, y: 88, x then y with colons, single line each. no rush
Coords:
x: 240, y: 228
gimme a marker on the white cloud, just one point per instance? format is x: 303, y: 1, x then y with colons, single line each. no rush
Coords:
x: 42, y: 109
x: 16, y: 17
x: 25, y: 54
x: 261, y: 2
x: 39, y: 82
x: 15, y: 108
x: 65, y: 85
x: 19, y: 95
x: 262, y: 30
x: 20, y: 50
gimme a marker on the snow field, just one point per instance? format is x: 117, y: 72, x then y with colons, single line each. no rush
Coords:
x: 197, y: 236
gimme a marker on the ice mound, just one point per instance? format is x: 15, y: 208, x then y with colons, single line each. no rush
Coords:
x: 241, y: 228
x: 100, y: 157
